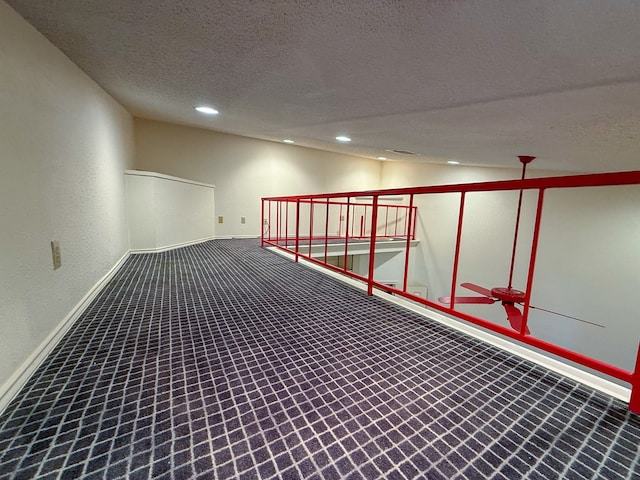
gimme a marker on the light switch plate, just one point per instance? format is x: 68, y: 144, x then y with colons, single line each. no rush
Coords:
x: 55, y: 254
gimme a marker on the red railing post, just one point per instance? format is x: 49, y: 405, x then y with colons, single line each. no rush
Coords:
x: 279, y: 220
x: 372, y: 248
x: 353, y: 220
x: 286, y: 228
x: 386, y: 220
x: 406, y: 214
x: 269, y: 215
x: 346, y: 235
x: 326, y: 232
x: 415, y: 222
x: 532, y: 262
x: 634, y: 403
x: 395, y: 232
x: 262, y: 223
x: 363, y: 222
x: 297, y: 253
x: 310, y: 225
x: 405, y: 280
x: 456, y: 255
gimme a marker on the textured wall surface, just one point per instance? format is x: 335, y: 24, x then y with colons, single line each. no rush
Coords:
x: 65, y: 145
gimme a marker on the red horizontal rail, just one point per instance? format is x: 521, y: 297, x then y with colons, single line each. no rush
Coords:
x: 586, y: 180
x: 589, y: 362
x: 309, y: 199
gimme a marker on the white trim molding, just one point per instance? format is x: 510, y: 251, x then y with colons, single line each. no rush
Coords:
x: 142, y: 173
x: 170, y: 247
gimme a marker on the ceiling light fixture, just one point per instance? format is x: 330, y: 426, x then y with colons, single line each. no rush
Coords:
x: 453, y: 162
x: 381, y: 158
x: 207, y: 110
x: 288, y: 141
x: 342, y: 138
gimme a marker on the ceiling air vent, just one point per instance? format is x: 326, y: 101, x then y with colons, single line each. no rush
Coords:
x: 403, y: 152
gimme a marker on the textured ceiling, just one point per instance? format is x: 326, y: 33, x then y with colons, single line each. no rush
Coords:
x: 477, y: 81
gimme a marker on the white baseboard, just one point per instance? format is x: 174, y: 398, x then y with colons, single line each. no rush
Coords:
x: 231, y: 237
x: 20, y: 377
x: 186, y: 244
x: 170, y: 247
x: 601, y: 384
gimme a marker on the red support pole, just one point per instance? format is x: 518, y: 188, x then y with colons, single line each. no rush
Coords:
x: 456, y: 256
x: 286, y: 228
x: 406, y: 213
x: 532, y: 262
x: 408, y: 248
x: 634, y: 403
x: 386, y: 221
x: 262, y: 224
x: 395, y: 232
x: 278, y: 220
x: 415, y: 222
x: 363, y: 221
x: 372, y: 249
x: 310, y: 225
x: 340, y: 222
x: 346, y: 236
x: 353, y: 220
x: 269, y: 236
x: 326, y: 233
x: 297, y: 229
x: 524, y: 160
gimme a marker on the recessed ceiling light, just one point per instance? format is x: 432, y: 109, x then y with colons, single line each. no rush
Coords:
x: 342, y: 138
x: 453, y: 162
x: 288, y: 141
x: 207, y: 110
x: 382, y: 158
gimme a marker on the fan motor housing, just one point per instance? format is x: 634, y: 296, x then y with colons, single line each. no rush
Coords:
x: 509, y: 295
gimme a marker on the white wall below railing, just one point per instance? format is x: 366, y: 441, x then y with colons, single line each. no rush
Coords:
x: 165, y: 212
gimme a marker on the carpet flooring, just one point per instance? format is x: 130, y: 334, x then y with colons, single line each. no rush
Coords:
x: 226, y: 361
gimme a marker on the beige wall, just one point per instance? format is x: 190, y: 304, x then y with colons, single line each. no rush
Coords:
x: 243, y: 169
x: 65, y: 144
x: 164, y: 211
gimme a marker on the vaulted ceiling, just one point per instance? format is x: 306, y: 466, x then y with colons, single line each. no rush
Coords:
x: 471, y: 80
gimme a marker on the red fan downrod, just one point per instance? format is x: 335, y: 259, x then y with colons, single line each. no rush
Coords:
x: 525, y: 160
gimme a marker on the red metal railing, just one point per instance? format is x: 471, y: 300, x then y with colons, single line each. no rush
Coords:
x: 291, y: 222
x: 283, y: 216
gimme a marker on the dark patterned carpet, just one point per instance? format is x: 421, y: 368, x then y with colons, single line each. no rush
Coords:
x: 223, y: 360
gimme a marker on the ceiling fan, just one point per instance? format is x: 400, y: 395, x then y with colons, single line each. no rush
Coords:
x: 508, y: 296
